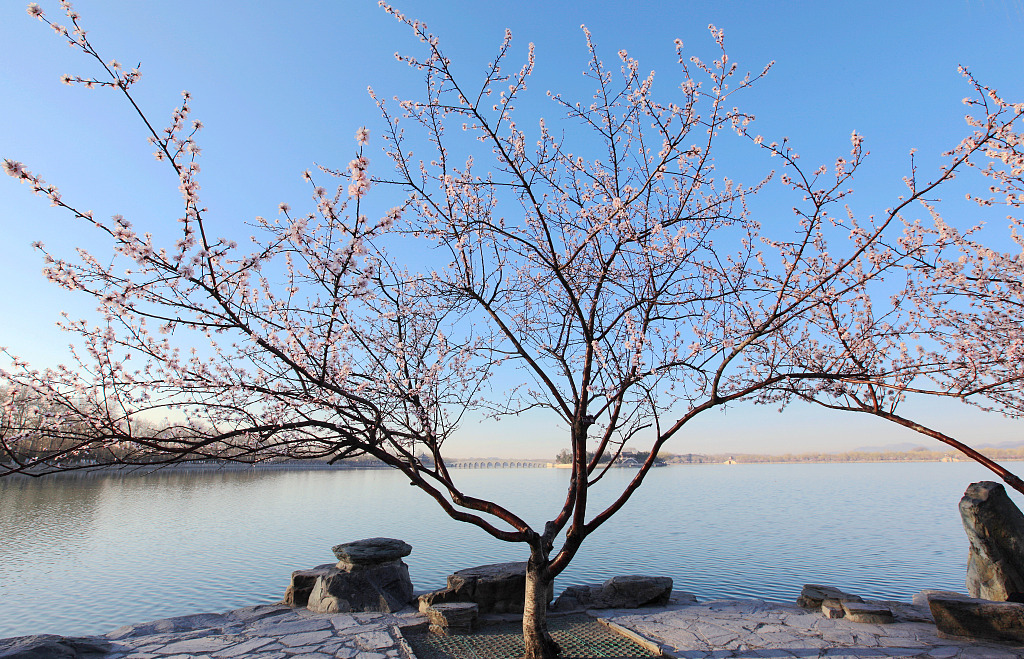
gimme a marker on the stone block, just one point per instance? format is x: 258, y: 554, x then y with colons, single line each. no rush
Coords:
x: 496, y: 588
x: 868, y: 612
x: 978, y: 619
x: 453, y: 618
x: 831, y: 608
x: 622, y: 592
x: 813, y: 595
x: 302, y: 584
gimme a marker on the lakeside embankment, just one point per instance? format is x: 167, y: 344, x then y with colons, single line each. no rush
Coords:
x: 721, y: 628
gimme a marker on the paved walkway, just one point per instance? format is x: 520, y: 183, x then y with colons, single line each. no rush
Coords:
x: 718, y: 629
x: 751, y: 628
x: 261, y: 632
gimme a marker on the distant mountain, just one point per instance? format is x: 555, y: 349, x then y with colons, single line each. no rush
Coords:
x: 1013, y: 443
x: 936, y: 446
x: 900, y: 447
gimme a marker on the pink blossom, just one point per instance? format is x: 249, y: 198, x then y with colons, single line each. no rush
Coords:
x: 15, y: 169
x: 363, y: 136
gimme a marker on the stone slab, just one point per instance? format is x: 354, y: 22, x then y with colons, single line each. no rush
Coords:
x: 496, y: 588
x: 868, y: 612
x: 371, y: 551
x: 813, y: 595
x: 978, y: 618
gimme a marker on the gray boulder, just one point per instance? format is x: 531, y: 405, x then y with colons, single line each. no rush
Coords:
x: 298, y: 591
x: 995, y: 530
x: 371, y: 551
x: 623, y: 592
x: 49, y: 646
x: 978, y: 618
x: 813, y: 596
x: 384, y: 588
x: 496, y: 588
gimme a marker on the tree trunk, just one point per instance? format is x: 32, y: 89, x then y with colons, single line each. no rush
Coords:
x: 538, y: 642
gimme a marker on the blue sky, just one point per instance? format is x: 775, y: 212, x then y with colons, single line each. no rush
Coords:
x: 281, y: 85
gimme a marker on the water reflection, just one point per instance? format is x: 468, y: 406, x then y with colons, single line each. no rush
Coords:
x: 84, y: 554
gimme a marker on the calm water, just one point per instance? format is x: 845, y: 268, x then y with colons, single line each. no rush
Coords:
x: 81, y: 555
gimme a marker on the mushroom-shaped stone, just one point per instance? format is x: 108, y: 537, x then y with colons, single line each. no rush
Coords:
x: 371, y: 551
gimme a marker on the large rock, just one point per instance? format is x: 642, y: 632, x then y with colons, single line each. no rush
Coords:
x: 995, y: 530
x: 386, y: 588
x: 496, y: 588
x: 302, y: 584
x: 369, y: 576
x: 49, y: 646
x: 978, y: 618
x: 813, y: 596
x: 623, y: 592
x: 371, y: 551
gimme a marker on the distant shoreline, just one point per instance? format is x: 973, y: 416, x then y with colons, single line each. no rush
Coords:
x: 923, y: 455
x: 853, y: 457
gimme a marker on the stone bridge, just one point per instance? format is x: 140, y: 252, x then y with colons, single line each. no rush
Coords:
x: 494, y: 463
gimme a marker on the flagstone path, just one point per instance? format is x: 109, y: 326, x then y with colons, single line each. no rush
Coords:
x: 721, y: 629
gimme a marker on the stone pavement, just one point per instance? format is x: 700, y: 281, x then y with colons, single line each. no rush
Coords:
x: 717, y: 629
x: 752, y: 628
x: 271, y: 631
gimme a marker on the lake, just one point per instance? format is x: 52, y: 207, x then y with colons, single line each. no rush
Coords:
x: 86, y: 554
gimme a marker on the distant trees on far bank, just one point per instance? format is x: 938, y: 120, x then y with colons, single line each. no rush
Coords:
x: 915, y: 455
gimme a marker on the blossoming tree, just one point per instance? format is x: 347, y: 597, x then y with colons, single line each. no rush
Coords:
x: 951, y: 325
x: 618, y: 282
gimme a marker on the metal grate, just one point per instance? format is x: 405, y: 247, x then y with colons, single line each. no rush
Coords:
x: 579, y: 636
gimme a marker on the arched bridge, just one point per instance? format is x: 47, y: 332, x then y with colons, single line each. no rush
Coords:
x: 494, y: 463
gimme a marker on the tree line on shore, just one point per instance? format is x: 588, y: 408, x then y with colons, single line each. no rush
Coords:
x: 920, y: 454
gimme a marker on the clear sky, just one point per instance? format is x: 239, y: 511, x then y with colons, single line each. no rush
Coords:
x: 282, y: 85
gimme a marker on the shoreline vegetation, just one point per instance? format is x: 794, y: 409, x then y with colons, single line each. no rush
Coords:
x: 920, y: 454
